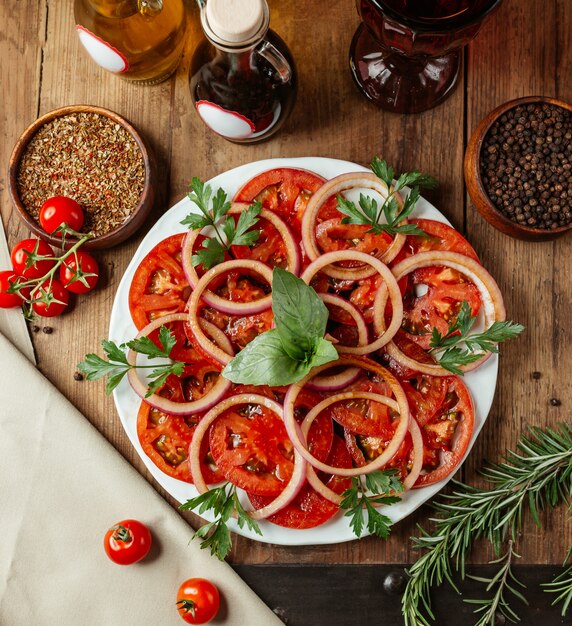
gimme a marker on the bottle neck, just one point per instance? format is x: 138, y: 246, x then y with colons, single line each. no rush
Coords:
x: 126, y: 8
x: 236, y: 47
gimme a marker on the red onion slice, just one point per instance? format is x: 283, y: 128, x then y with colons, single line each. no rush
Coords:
x: 219, y: 354
x: 339, y: 184
x: 390, y: 284
x: 493, y: 305
x: 348, y: 307
x: 298, y: 474
x: 334, y: 382
x: 297, y: 437
x: 218, y: 390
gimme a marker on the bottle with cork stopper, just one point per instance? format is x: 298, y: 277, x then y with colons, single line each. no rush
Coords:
x: 243, y: 78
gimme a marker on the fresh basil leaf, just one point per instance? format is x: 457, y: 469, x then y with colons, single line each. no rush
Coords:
x: 324, y: 352
x: 264, y: 361
x: 299, y: 313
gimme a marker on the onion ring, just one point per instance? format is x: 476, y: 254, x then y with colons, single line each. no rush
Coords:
x: 194, y: 321
x: 330, y: 298
x: 221, y: 386
x: 298, y: 474
x: 390, y: 284
x: 296, y: 435
x: 344, y: 182
x: 493, y: 305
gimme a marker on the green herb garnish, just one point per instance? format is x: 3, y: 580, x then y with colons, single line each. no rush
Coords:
x: 452, y: 356
x: 214, y: 214
x: 370, y: 212
x: 223, y: 501
x: 95, y: 367
x: 355, y: 501
x: 285, y: 354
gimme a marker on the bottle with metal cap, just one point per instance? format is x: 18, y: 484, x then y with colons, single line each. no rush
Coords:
x: 243, y: 78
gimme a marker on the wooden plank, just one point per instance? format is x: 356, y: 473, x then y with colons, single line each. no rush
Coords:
x: 338, y: 596
x: 525, y: 50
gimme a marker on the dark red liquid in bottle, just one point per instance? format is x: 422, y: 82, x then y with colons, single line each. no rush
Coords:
x: 437, y: 9
x: 245, y: 84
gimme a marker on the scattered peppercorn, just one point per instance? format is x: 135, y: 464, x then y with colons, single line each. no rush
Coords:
x: 555, y: 402
x: 536, y: 375
x: 526, y: 165
x: 35, y: 328
x: 78, y: 376
x: 48, y: 330
x: 394, y: 583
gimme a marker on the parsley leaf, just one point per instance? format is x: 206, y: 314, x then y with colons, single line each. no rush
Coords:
x: 285, y: 354
x: 95, y: 367
x: 213, y: 213
x: 370, y: 213
x: 355, y: 501
x: 457, y: 347
x: 223, y: 501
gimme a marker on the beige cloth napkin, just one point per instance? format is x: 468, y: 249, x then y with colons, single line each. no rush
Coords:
x: 61, y: 486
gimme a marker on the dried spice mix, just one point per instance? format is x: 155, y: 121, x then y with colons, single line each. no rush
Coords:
x: 88, y: 157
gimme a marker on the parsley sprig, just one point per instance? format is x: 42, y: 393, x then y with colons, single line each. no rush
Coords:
x: 370, y: 211
x: 214, y: 213
x: 356, y: 501
x: 224, y: 502
x: 95, y: 367
x: 457, y: 347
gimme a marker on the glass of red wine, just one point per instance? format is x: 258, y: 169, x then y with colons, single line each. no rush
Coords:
x: 405, y: 55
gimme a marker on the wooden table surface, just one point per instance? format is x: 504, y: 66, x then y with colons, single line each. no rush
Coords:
x: 525, y: 49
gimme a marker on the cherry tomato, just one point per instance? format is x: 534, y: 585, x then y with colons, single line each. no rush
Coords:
x: 198, y: 601
x: 34, y: 249
x: 8, y: 300
x: 74, y: 269
x: 61, y: 210
x: 127, y: 542
x: 57, y: 299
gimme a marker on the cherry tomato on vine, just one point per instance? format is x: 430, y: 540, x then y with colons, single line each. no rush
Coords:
x: 36, y: 249
x: 127, y: 542
x: 74, y: 272
x: 8, y: 300
x: 51, y: 299
x: 61, y: 210
x: 198, y: 601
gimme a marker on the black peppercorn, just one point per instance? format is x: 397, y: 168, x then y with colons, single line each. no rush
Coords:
x: 48, y: 330
x: 525, y: 165
x: 536, y: 375
x: 394, y: 583
x: 555, y: 402
x: 78, y: 376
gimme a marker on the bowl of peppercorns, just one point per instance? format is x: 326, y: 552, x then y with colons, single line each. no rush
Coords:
x: 518, y: 168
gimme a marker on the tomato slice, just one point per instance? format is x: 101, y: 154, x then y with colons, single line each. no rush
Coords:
x: 410, y: 349
x: 332, y: 235
x: 365, y: 416
x: 284, y: 190
x: 269, y: 248
x: 364, y: 449
x: 250, y: 445
x: 159, y: 286
x: 446, y: 436
x: 309, y: 509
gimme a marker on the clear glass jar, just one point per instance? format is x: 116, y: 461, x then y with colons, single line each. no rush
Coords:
x: 243, y: 81
x: 140, y: 40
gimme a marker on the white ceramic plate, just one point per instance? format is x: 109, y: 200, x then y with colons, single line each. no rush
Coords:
x: 481, y: 383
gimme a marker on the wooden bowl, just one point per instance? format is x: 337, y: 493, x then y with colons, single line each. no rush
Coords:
x: 128, y: 227
x: 475, y: 185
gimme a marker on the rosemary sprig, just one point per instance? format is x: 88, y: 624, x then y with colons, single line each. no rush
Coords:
x: 95, y: 367
x: 213, y: 213
x: 355, y: 500
x: 538, y: 474
x: 502, y: 582
x: 562, y: 585
x: 224, y: 502
x: 457, y: 347
x: 370, y: 212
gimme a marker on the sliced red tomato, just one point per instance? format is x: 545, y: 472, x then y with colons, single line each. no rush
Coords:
x: 410, y: 349
x: 321, y: 432
x: 364, y: 449
x: 284, y: 190
x: 426, y: 395
x: 365, y: 416
x: 269, y: 248
x: 446, y: 436
x: 438, y: 236
x: 250, y: 446
x: 332, y: 235
x: 159, y: 286
x: 165, y: 439
x: 309, y: 509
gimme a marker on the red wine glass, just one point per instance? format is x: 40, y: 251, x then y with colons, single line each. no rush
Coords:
x: 405, y: 55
